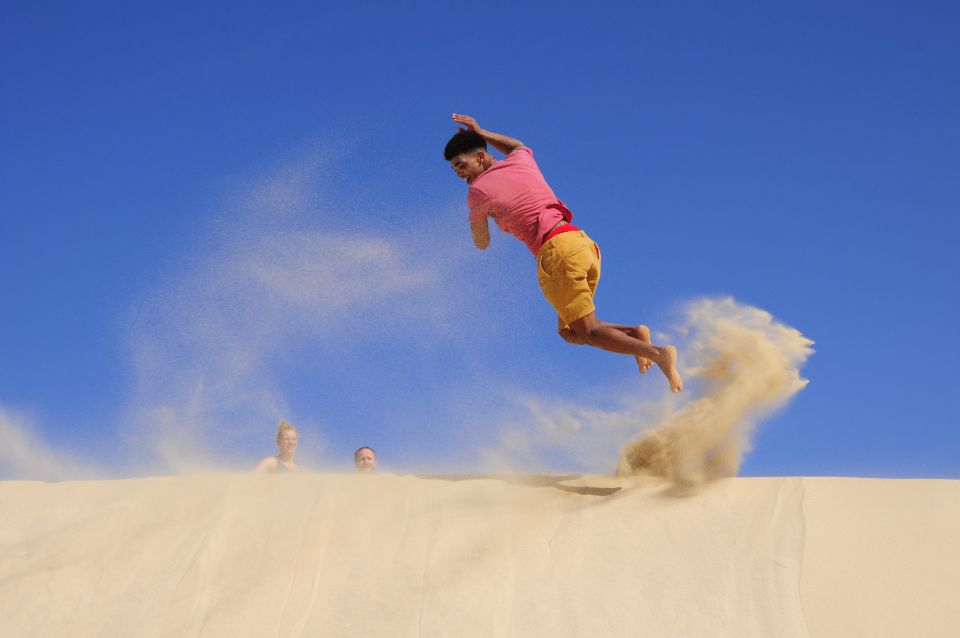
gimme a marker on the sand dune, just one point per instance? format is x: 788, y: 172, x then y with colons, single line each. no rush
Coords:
x: 345, y: 555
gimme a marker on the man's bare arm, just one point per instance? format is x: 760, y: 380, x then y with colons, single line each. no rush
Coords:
x: 502, y: 143
x: 481, y: 233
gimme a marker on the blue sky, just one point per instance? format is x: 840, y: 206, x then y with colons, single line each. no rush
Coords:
x: 801, y: 159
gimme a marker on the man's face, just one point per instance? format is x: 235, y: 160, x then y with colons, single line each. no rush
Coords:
x: 366, y: 460
x: 469, y: 165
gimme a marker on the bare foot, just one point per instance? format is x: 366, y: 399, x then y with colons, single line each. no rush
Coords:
x: 643, y: 334
x: 669, y: 368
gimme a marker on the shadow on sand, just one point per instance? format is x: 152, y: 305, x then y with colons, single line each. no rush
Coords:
x: 528, y: 480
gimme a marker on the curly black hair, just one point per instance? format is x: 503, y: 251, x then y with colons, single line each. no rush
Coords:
x: 464, y: 142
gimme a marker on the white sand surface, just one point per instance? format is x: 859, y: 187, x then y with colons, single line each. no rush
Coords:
x: 379, y: 555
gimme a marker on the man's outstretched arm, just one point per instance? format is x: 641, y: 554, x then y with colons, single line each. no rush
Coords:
x: 502, y: 143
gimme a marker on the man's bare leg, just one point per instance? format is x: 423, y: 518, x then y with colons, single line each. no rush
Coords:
x: 640, y: 332
x: 643, y: 334
x: 613, y: 338
x: 570, y: 336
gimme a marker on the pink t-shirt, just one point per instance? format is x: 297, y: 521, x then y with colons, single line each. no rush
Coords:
x: 514, y: 193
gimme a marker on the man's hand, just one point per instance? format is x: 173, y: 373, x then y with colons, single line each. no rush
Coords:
x: 502, y: 143
x: 469, y: 122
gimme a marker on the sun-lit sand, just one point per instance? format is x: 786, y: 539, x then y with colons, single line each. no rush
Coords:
x: 380, y: 555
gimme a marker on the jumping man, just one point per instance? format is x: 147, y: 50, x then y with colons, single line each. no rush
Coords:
x: 515, y: 194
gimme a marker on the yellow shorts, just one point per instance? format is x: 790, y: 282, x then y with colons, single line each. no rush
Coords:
x: 568, y: 269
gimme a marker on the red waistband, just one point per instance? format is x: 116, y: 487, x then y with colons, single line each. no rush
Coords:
x: 566, y: 228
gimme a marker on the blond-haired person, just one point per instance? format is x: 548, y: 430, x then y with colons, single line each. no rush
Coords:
x: 287, y: 446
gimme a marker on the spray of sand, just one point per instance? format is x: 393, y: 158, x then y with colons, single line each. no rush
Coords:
x: 739, y: 365
x: 279, y: 279
x: 24, y: 455
x: 746, y: 366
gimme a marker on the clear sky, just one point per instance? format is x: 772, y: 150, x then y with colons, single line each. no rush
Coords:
x: 217, y: 215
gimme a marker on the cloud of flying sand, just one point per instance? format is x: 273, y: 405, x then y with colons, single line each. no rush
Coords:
x: 739, y: 365
x: 275, y: 273
x: 747, y: 365
x: 278, y: 278
x: 281, y: 279
x: 23, y: 455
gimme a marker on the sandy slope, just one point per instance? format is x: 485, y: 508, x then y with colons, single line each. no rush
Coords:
x: 345, y: 555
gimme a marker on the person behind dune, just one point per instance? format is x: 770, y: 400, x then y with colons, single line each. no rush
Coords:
x: 287, y: 446
x: 365, y: 459
x: 515, y: 194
